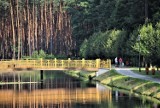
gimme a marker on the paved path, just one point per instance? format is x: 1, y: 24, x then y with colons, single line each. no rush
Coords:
x: 128, y: 72
x: 101, y: 71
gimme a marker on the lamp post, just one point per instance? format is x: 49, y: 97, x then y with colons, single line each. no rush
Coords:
x: 139, y: 38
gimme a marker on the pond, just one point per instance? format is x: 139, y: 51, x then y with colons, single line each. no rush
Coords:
x: 59, y: 90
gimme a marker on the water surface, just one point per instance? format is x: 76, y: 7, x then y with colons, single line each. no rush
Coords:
x: 59, y: 90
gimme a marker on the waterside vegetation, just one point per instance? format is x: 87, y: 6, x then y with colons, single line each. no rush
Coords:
x: 139, y: 86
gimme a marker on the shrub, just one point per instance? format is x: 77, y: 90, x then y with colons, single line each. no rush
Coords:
x: 42, y: 54
x: 49, y: 56
x: 35, y: 54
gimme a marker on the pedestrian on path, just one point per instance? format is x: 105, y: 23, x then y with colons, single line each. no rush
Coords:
x: 120, y: 62
x: 116, y: 61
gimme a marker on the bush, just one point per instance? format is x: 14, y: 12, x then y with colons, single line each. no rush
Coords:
x: 61, y: 57
x: 103, y: 44
x: 50, y: 56
x: 42, y: 54
x: 26, y: 57
x: 35, y: 54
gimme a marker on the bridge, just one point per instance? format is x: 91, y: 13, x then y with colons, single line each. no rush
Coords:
x: 55, y: 64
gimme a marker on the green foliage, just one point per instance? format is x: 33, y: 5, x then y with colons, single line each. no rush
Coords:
x: 94, y: 16
x: 131, y: 43
x: 50, y: 56
x: 103, y: 44
x: 42, y: 54
x: 149, y: 44
x: 155, y: 55
x: 83, y: 4
x: 146, y: 33
x: 26, y: 57
x: 83, y: 49
x: 35, y: 54
x: 106, y: 28
x: 61, y: 57
x: 3, y: 5
x: 154, y: 11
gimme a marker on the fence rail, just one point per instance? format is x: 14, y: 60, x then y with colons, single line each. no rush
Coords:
x: 55, y: 64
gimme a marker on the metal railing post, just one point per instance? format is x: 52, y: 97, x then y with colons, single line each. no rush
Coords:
x: 34, y: 63
x: 97, y: 63
x: 48, y: 63
x: 108, y: 65
x: 94, y: 64
x: 83, y: 62
x: 55, y: 62
x: 27, y: 62
x: 69, y: 60
x: 62, y: 63
x: 41, y: 62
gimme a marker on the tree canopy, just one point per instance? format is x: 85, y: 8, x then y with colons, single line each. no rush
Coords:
x: 80, y: 28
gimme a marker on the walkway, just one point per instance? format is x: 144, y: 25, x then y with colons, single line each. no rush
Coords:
x: 128, y: 72
x: 101, y: 71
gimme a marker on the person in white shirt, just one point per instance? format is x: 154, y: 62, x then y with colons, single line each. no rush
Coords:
x: 116, y: 61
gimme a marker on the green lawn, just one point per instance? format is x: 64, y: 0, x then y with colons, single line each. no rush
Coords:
x: 146, y: 88
x: 143, y: 72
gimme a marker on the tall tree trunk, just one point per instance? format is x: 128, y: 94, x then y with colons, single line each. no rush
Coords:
x: 51, y: 28
x: 13, y: 31
x: 45, y: 26
x: 41, y: 29
x: 24, y: 44
x: 36, y: 29
x: 18, y: 31
x: 28, y: 29
x: 33, y: 26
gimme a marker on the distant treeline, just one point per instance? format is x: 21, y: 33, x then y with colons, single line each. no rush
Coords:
x: 29, y: 25
x: 123, y: 28
x: 81, y: 28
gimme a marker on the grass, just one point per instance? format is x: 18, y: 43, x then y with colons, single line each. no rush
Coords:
x: 149, y: 89
x: 109, y: 77
x: 115, y: 80
x: 143, y: 72
x: 139, y: 86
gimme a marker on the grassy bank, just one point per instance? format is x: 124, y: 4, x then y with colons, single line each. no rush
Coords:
x: 143, y: 72
x: 139, y: 86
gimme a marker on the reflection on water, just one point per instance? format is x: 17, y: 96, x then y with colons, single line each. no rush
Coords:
x: 58, y: 90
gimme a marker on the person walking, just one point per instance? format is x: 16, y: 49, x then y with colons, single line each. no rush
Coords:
x: 116, y: 61
x: 120, y: 62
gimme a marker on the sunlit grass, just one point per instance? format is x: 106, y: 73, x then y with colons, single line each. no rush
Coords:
x: 114, y: 79
x: 149, y: 88
x: 143, y: 72
x: 107, y: 74
x: 109, y: 77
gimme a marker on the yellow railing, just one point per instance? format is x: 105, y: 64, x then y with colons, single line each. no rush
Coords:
x: 55, y: 63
